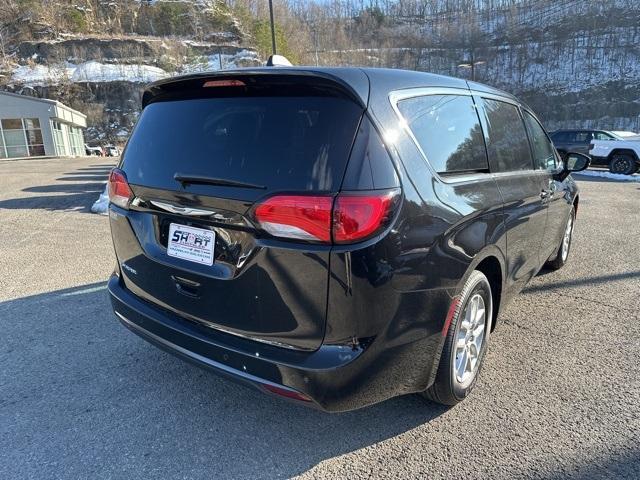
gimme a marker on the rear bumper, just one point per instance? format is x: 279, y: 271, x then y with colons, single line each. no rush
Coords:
x: 332, y: 378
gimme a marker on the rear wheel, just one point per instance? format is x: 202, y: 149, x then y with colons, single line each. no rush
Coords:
x: 466, y: 343
x: 622, y: 163
x: 565, y: 245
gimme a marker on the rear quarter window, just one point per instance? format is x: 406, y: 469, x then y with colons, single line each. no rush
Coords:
x: 282, y: 143
x: 447, y: 129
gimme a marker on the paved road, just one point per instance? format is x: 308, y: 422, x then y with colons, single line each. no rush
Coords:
x: 81, y: 397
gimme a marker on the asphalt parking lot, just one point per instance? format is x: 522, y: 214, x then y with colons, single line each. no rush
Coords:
x: 82, y: 397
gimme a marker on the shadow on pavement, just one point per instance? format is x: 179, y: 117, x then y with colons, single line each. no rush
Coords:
x: 82, y: 390
x: 578, y: 282
x: 66, y: 196
x: 620, y: 465
x: 589, y: 178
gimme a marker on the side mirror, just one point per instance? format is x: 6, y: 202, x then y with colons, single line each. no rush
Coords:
x: 573, y: 162
x: 576, y: 162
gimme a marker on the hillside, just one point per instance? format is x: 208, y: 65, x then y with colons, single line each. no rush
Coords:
x: 577, y: 63
x: 96, y: 55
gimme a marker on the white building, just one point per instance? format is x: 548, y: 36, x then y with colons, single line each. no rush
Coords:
x: 36, y: 127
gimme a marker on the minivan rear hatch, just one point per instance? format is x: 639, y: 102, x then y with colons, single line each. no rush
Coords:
x: 205, y: 153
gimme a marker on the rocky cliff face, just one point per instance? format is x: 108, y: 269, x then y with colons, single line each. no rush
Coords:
x: 103, y: 74
x: 104, y: 78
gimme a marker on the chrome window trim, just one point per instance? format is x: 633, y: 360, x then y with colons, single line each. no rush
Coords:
x: 499, y: 98
x: 398, y: 95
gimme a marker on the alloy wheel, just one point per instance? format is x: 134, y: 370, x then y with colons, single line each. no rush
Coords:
x: 566, y: 240
x: 470, y: 340
x: 621, y: 165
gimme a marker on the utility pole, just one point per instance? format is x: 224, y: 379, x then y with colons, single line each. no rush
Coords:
x: 273, y: 28
x: 315, y: 42
x: 472, y: 65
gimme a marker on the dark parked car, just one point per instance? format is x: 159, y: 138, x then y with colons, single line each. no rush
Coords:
x: 578, y: 140
x: 334, y: 236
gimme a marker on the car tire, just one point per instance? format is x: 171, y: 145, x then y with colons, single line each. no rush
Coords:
x: 466, y: 343
x: 622, y: 163
x: 562, y: 254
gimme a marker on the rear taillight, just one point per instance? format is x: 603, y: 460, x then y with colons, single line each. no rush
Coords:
x: 359, y: 216
x: 296, y: 216
x: 350, y: 217
x: 120, y: 193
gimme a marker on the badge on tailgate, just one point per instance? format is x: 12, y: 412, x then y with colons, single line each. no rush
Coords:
x: 190, y: 243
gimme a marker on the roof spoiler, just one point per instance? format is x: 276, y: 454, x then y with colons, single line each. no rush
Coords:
x: 293, y: 80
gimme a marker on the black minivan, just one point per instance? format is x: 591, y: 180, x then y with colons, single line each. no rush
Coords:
x: 334, y: 236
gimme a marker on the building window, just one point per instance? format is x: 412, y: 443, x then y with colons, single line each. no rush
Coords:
x: 21, y: 137
x: 3, y: 151
x: 14, y: 140
x: 58, y: 139
x: 34, y: 136
x: 76, y: 141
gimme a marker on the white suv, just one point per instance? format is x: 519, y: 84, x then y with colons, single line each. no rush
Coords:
x: 622, y: 156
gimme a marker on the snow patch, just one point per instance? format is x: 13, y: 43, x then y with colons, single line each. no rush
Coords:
x: 92, y: 71
x: 41, y: 75
x: 101, y: 205
x: 611, y: 176
x: 101, y: 72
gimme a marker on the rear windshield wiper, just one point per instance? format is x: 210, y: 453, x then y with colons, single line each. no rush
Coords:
x: 187, y: 179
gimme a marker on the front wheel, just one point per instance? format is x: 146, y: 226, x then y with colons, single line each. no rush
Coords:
x: 466, y: 343
x: 622, y: 164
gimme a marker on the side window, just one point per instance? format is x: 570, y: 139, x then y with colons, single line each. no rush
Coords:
x: 544, y: 157
x: 448, y: 131
x: 583, y: 137
x: 569, y: 137
x: 603, y: 136
x: 508, y: 145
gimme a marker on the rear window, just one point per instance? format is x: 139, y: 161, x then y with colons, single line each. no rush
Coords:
x: 282, y: 143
